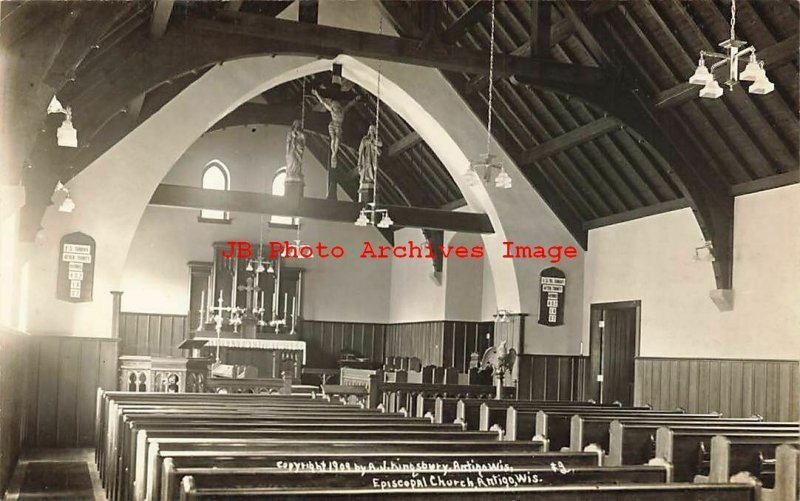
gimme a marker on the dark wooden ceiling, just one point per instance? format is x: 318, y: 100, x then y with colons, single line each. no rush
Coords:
x: 591, y: 99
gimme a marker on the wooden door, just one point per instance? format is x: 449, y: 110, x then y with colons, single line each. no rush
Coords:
x: 613, y: 349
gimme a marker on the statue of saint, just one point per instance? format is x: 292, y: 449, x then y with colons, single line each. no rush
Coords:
x: 368, y: 152
x: 337, y: 112
x: 295, y: 147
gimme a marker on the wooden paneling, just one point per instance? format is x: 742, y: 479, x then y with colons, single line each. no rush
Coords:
x: 63, y: 376
x: 443, y: 343
x: 736, y: 388
x: 552, y: 377
x: 151, y: 334
x: 326, y: 340
x: 461, y: 339
x: 14, y: 353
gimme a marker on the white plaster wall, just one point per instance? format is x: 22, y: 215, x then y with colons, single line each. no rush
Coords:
x: 415, y: 296
x: 463, y: 280
x: 156, y: 276
x: 652, y: 259
x: 113, y: 192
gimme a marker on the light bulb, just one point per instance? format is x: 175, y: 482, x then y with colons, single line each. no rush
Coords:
x: 712, y: 90
x: 701, y: 75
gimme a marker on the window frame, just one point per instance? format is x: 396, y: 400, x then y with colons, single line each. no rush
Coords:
x: 275, y: 221
x: 206, y: 214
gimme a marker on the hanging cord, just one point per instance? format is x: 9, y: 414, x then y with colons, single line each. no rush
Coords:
x: 491, y: 85
x: 733, y: 19
x: 303, y: 107
x: 377, y: 125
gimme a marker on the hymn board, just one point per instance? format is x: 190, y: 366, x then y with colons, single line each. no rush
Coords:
x: 256, y: 303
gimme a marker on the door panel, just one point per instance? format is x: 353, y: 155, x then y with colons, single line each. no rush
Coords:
x: 619, y: 346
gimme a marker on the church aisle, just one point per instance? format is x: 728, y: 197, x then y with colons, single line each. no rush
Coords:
x: 56, y: 474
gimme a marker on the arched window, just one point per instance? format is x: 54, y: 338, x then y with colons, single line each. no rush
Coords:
x: 215, y: 177
x: 279, y: 189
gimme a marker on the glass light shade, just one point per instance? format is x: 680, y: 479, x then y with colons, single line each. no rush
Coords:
x: 249, y: 266
x: 752, y: 71
x: 67, y: 135
x: 260, y: 267
x: 762, y: 85
x: 55, y: 106
x: 712, y: 90
x: 701, y: 75
x: 385, y: 221
x: 471, y: 177
x: 270, y: 269
x: 362, y: 219
x: 67, y: 205
x: 503, y: 180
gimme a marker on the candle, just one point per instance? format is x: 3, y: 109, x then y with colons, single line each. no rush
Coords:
x: 294, y: 313
x: 285, y: 304
x: 202, y: 303
x: 262, y: 300
x: 235, y: 282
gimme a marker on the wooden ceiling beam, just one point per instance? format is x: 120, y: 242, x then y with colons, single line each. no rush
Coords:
x: 167, y: 195
x: 569, y: 140
x: 540, y: 27
x: 773, y: 56
x: 326, y: 41
x: 404, y: 143
x: 559, y: 32
x: 162, y: 10
x: 465, y: 21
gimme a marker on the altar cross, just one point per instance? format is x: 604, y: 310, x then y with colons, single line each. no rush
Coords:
x: 251, y: 292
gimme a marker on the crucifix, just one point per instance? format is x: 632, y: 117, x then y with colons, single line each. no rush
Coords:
x: 251, y: 290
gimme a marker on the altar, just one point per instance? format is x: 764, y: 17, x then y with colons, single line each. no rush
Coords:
x: 270, y: 358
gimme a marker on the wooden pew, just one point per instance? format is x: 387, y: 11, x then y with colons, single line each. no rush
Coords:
x: 787, y: 474
x: 178, y: 465
x: 634, y: 442
x: 494, y: 412
x: 684, y: 447
x: 159, y: 450
x: 284, y: 480
x: 635, y: 492
x: 585, y: 429
x: 731, y: 455
x: 555, y: 424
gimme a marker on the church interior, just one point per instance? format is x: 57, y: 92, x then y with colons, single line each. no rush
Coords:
x: 457, y: 249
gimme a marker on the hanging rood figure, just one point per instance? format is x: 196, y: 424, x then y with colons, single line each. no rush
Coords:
x: 337, y: 111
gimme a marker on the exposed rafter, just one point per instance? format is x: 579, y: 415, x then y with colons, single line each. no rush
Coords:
x: 162, y: 10
x: 167, y: 195
x: 409, y: 141
x: 570, y: 139
x: 458, y: 27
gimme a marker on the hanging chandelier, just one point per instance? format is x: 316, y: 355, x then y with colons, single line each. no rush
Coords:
x: 734, y: 50
x: 486, y: 166
x: 372, y: 214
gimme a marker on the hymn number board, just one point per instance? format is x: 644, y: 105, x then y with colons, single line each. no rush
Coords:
x: 552, y: 284
x: 76, y: 268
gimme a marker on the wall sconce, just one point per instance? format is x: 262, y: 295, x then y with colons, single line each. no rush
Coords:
x: 704, y: 253
x: 67, y: 205
x: 66, y: 134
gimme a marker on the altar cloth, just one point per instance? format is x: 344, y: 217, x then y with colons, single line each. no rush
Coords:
x: 254, y: 344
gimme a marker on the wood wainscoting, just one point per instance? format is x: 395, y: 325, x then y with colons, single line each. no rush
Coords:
x: 14, y: 361
x: 326, y: 340
x: 151, y: 334
x: 64, y: 375
x: 553, y: 377
x: 445, y: 343
x: 736, y: 388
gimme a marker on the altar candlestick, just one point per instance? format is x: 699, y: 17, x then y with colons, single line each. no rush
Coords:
x: 235, y: 281
x: 202, y: 305
x: 293, y: 305
x: 285, y: 304
x: 262, y: 300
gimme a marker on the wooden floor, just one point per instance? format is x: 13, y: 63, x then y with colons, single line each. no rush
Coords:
x: 56, y: 474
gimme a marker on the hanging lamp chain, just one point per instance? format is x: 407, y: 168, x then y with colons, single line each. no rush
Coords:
x: 303, y: 107
x: 491, y: 84
x: 377, y: 124
x: 733, y: 19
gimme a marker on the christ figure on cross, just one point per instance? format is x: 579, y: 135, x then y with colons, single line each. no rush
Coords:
x: 337, y: 112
